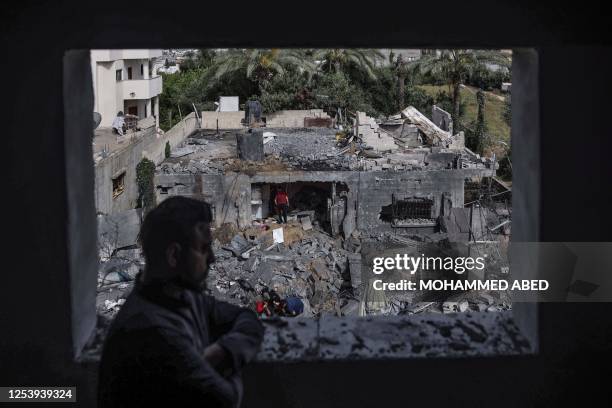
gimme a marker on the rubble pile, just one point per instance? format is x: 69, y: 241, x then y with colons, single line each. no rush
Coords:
x: 296, y: 259
x: 308, y: 264
x: 310, y: 149
x: 203, y: 166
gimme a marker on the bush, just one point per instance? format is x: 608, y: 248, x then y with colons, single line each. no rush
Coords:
x: 487, y: 79
x: 334, y: 90
x: 288, y: 91
x: 508, y: 111
x: 145, y: 173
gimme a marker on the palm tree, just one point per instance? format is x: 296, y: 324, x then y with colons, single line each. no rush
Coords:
x: 337, y: 59
x: 261, y: 64
x: 401, y: 70
x: 455, y: 66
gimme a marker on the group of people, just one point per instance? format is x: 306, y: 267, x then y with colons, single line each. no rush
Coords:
x: 271, y: 304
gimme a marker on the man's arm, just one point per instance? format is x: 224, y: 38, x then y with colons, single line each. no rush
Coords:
x: 175, y: 355
x: 236, y: 330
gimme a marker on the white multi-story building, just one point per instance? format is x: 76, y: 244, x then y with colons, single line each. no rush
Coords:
x: 123, y: 80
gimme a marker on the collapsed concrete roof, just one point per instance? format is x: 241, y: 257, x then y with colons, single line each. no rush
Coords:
x: 432, y: 132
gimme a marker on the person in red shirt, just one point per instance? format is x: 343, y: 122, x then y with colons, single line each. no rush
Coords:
x: 282, y: 204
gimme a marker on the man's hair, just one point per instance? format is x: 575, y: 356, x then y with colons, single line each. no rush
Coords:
x: 174, y: 220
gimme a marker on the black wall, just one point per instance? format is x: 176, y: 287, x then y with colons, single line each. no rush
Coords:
x: 575, y: 85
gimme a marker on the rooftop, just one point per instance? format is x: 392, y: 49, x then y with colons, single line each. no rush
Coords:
x: 309, y: 149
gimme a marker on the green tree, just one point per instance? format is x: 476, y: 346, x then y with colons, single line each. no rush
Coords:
x: 202, y: 58
x: 292, y: 90
x: 476, y: 134
x: 401, y: 72
x: 341, y: 59
x: 508, y: 111
x: 454, y: 66
x: 383, y: 93
x: 335, y: 90
x: 260, y: 65
x: 179, y: 91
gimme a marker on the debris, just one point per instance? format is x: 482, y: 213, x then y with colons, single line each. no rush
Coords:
x: 110, y: 305
x: 306, y: 224
x: 277, y: 234
x: 182, y: 151
x: 463, y: 306
x: 450, y: 307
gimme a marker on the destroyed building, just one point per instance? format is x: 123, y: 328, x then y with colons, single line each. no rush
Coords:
x: 399, y: 182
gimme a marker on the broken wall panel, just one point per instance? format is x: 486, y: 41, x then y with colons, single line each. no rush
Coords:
x: 250, y: 145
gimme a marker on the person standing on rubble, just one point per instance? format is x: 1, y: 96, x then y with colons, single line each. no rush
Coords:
x: 170, y: 344
x: 282, y: 204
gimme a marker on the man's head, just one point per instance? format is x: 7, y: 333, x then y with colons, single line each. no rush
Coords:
x: 176, y: 241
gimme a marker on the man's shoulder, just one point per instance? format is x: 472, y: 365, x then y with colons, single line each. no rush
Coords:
x: 141, y: 315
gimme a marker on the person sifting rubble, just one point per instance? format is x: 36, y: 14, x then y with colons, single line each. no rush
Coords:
x: 282, y: 204
x: 292, y: 306
x: 170, y: 344
x: 119, y: 124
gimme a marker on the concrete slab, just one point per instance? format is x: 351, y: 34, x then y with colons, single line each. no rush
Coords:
x: 289, y: 339
x: 430, y: 335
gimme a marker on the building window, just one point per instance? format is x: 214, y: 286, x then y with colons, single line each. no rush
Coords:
x: 129, y: 72
x: 118, y: 75
x: 411, y: 209
x: 118, y: 185
x: 142, y: 70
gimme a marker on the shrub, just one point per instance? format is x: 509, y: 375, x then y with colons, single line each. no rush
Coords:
x: 145, y: 173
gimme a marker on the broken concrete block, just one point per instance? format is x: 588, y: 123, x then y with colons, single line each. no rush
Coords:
x: 251, y: 264
x: 321, y: 270
x: 238, y: 245
x: 306, y: 224
x: 487, y: 298
x: 450, y: 307
x: 351, y: 308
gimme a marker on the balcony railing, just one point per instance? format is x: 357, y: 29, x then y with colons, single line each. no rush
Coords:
x: 141, y: 88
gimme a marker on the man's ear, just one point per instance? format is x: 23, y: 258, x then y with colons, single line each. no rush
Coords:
x: 173, y: 253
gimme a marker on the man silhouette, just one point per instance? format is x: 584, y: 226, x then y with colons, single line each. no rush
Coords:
x: 170, y: 344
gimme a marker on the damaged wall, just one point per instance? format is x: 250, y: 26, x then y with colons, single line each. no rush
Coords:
x: 222, y: 120
x: 368, y: 192
x: 125, y: 160
x: 292, y: 118
x: 442, y: 119
x: 372, y: 135
x: 281, y: 119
